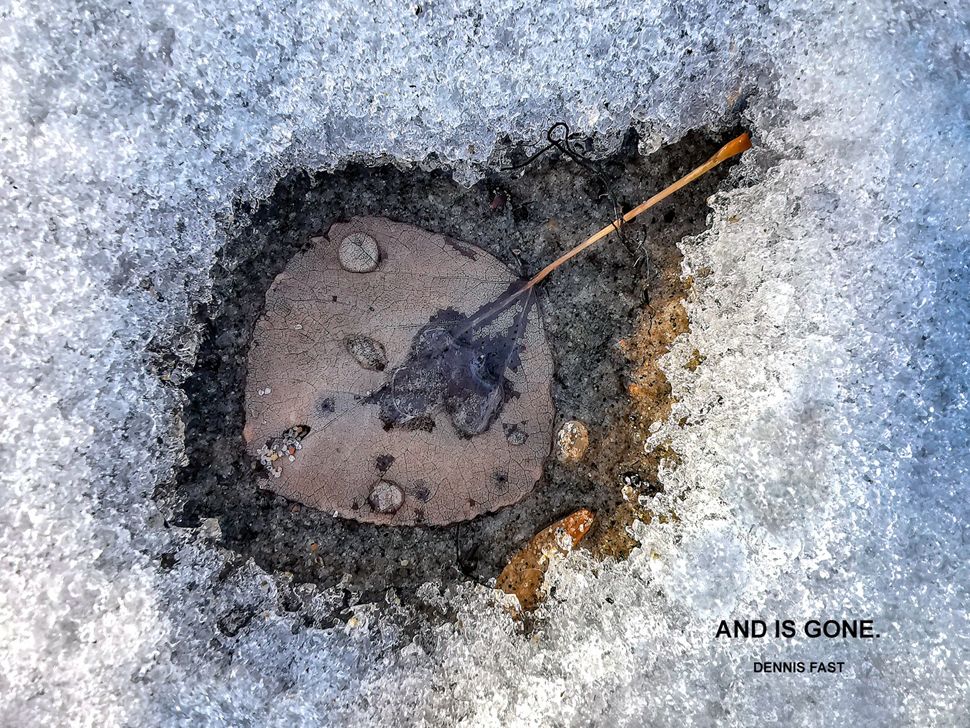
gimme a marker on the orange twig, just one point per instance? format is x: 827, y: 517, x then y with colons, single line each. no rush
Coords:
x: 731, y: 149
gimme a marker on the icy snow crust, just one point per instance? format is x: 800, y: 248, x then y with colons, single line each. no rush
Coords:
x: 827, y: 461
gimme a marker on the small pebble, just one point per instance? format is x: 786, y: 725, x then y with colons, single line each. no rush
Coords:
x: 516, y: 437
x: 572, y: 441
x: 386, y: 497
x: 368, y: 352
x: 359, y: 253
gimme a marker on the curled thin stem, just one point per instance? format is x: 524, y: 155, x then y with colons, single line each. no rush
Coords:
x: 734, y: 147
x: 731, y: 149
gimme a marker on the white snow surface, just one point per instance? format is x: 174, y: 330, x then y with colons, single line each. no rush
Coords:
x: 826, y: 464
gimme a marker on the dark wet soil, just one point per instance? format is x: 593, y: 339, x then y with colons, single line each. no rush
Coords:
x: 525, y: 218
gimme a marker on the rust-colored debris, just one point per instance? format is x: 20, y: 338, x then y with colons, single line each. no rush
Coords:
x: 650, y: 400
x: 650, y: 397
x: 338, y: 351
x: 526, y: 570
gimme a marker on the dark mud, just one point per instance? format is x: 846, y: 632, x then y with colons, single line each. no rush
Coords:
x: 525, y: 218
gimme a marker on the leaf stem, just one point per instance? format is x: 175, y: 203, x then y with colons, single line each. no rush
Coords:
x: 731, y: 149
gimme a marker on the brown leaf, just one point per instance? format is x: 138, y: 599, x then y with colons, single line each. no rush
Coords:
x: 423, y: 443
x: 524, y: 574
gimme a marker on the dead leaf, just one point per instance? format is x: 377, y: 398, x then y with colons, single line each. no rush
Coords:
x: 436, y: 435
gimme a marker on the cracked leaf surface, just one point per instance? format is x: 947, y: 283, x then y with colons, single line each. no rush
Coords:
x: 300, y: 372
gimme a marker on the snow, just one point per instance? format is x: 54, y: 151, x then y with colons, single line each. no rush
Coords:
x: 829, y: 453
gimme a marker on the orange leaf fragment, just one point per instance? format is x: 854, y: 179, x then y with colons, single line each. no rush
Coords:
x: 524, y: 574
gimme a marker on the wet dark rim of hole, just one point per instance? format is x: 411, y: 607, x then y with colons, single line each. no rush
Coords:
x: 525, y: 218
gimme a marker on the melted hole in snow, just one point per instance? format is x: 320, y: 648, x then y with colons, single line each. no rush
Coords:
x: 607, y: 317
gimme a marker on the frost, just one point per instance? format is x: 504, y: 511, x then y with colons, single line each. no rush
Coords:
x: 829, y: 436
